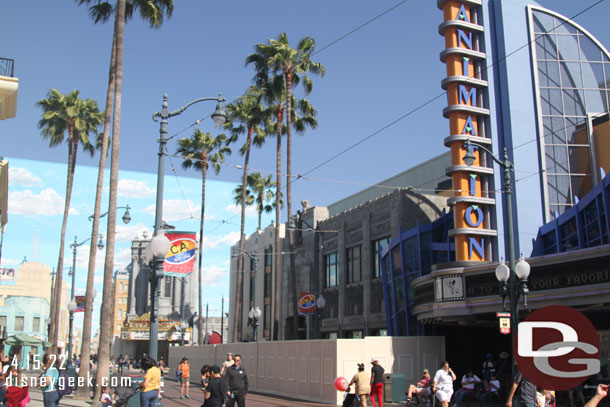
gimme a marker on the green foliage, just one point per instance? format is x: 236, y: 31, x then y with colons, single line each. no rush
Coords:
x: 202, y: 145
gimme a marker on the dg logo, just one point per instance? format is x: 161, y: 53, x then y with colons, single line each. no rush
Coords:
x: 557, y: 348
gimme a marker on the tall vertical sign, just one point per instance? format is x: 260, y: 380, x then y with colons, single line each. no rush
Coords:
x: 467, y: 114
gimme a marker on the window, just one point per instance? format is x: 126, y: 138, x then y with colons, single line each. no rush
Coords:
x: 120, y: 313
x: 268, y: 284
x: 2, y: 320
x: 118, y: 328
x: 353, y: 265
x: 330, y: 269
x: 253, y: 261
x: 268, y: 258
x: 120, y: 287
x: 19, y: 322
x: 252, y: 287
x: 36, y: 324
x: 168, y: 286
x: 267, y: 317
x: 383, y: 242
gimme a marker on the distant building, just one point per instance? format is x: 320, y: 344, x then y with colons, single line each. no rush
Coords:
x: 121, y: 296
x: 9, y: 89
x: 133, y: 303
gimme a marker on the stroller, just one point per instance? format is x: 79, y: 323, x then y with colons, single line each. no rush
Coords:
x: 123, y: 394
x: 350, y: 400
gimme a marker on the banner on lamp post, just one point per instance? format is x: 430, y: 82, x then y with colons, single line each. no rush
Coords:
x: 307, y: 303
x: 180, y: 258
x: 80, y: 303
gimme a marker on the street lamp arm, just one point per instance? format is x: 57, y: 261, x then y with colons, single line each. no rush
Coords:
x: 176, y: 112
x: 106, y: 213
x: 502, y: 163
x: 75, y: 245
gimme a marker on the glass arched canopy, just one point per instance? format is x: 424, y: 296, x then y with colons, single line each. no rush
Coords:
x: 572, y: 80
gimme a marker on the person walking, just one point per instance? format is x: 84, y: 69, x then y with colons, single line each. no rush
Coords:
x: 377, y: 382
x: 527, y: 391
x: 238, y: 382
x: 183, y: 372
x: 151, y: 384
x: 363, y: 385
x: 48, y: 382
x: 227, y: 363
x: 442, y: 384
x: 217, y: 389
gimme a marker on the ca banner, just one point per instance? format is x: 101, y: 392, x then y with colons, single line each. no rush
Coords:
x: 80, y: 303
x: 307, y: 303
x: 180, y: 258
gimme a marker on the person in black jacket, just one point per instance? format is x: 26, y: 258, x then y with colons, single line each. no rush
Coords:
x: 238, y: 382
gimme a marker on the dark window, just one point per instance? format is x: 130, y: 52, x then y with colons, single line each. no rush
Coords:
x: 267, y: 317
x: 19, y: 323
x: 549, y: 243
x: 353, y: 265
x: 376, y: 263
x: 268, y: 284
x: 252, y: 287
x: 331, y: 270
x: 36, y: 324
x: 268, y: 258
x: 168, y: 286
x: 569, y: 236
x: 591, y: 227
x: 252, y: 263
x: 2, y: 320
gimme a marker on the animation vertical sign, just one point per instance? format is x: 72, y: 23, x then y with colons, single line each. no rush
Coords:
x: 466, y: 96
x: 180, y: 259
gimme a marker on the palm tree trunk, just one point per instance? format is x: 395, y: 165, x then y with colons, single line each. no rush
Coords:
x: 107, y: 312
x: 278, y: 152
x: 82, y: 392
x: 293, y: 273
x: 240, y: 259
x: 260, y: 208
x: 55, y: 327
x: 204, y: 165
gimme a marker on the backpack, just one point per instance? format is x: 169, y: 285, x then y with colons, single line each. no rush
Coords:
x: 63, y: 383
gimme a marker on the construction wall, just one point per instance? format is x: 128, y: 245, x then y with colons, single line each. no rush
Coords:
x: 307, y: 369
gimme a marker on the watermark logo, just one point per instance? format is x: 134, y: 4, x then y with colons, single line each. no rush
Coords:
x: 557, y: 348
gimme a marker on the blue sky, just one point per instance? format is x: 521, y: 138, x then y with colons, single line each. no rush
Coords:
x: 374, y: 76
x: 36, y: 201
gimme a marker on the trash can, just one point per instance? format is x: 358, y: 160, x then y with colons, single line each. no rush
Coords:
x: 134, y: 401
x: 394, y: 388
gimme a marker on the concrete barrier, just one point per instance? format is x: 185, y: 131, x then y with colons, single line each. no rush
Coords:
x: 307, y: 369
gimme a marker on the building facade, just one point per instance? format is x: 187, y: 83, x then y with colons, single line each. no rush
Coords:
x: 9, y: 89
x: 544, y: 103
x: 121, y: 298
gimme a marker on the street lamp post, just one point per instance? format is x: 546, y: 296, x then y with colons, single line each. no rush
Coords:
x: 320, y: 304
x: 520, y: 270
x: 126, y: 216
x: 71, y: 309
x: 219, y: 117
x: 255, y: 314
x: 72, y: 273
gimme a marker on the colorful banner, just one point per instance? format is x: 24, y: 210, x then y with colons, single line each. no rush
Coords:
x: 80, y: 303
x: 180, y: 259
x: 307, y: 303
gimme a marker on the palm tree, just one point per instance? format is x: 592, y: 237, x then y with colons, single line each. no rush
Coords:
x: 277, y: 57
x: 153, y: 11
x: 259, y: 190
x: 79, y: 118
x: 250, y: 114
x: 199, y: 151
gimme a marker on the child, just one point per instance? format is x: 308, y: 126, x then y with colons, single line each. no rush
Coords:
x: 106, y: 399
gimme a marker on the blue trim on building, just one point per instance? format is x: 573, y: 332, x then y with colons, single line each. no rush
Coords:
x: 427, y: 250
x: 587, y: 220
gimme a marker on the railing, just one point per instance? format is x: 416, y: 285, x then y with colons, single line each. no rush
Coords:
x: 6, y: 67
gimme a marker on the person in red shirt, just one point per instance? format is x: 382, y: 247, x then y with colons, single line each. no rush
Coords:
x: 184, y: 369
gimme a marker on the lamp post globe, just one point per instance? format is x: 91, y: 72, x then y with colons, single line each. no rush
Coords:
x: 159, y: 245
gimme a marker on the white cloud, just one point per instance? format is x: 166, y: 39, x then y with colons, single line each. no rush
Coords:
x: 236, y: 210
x: 176, y: 209
x: 126, y: 233
x: 212, y: 275
x: 21, y: 176
x: 122, y: 259
x: 27, y: 203
x: 10, y: 262
x: 216, y: 241
x: 134, y: 189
